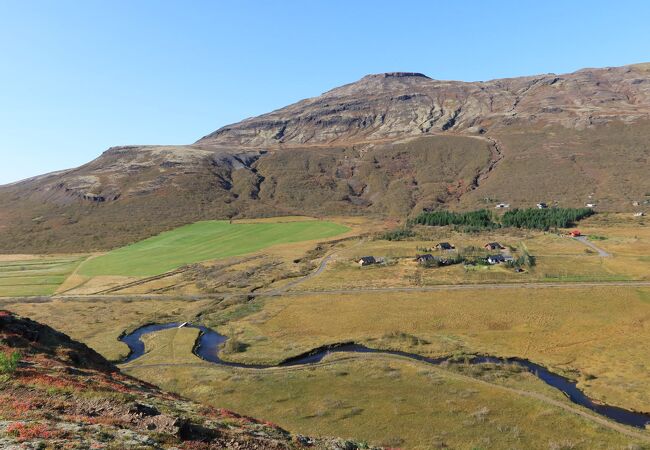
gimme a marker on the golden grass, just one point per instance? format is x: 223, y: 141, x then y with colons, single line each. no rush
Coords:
x: 384, y: 400
x: 99, y: 323
x: 599, y: 332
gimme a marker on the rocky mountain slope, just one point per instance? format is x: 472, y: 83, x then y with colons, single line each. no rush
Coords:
x: 389, y: 144
x: 397, y: 105
x: 62, y: 394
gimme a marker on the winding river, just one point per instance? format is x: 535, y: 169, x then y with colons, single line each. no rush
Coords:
x: 209, y: 341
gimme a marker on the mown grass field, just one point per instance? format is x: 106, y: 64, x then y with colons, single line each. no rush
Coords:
x: 35, y: 275
x: 383, y: 400
x: 204, y: 241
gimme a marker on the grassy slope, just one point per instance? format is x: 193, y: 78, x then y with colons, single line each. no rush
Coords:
x: 65, y: 396
x: 99, y: 323
x: 202, y: 241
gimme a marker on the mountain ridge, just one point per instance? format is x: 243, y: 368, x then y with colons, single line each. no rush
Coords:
x: 437, y: 105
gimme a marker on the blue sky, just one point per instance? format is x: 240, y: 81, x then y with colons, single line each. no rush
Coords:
x: 77, y: 77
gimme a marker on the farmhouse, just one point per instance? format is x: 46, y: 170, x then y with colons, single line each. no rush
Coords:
x: 575, y: 233
x: 424, y: 258
x: 367, y: 260
x: 444, y: 246
x: 495, y: 259
x: 493, y: 246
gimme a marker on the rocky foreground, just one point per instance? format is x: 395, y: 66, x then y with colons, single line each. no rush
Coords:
x: 59, y: 393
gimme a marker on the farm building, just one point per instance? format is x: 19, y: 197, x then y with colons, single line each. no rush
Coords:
x: 367, y: 260
x: 444, y: 246
x: 495, y: 259
x: 575, y: 233
x: 502, y: 205
x: 542, y: 205
x: 493, y: 246
x: 424, y: 258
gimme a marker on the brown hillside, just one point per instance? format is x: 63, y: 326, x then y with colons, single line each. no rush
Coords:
x: 389, y: 144
x: 65, y: 395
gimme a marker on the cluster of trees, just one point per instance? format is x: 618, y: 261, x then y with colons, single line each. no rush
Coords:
x: 525, y: 259
x: 544, y: 219
x: 480, y: 219
x: 537, y: 219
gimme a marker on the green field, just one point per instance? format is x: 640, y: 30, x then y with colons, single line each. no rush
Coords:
x: 38, y: 276
x: 202, y: 241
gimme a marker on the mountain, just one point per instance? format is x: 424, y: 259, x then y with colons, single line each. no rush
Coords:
x: 65, y: 395
x: 401, y: 104
x: 387, y: 145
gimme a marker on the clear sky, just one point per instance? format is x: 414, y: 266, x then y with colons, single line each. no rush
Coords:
x: 77, y: 77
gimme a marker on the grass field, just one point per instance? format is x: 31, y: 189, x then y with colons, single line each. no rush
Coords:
x: 203, y: 241
x: 35, y: 275
x: 384, y: 400
x: 99, y: 323
x: 591, y: 334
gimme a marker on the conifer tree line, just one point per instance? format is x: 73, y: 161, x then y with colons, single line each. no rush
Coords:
x: 537, y: 219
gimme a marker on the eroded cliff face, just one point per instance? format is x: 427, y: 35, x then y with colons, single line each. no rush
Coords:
x: 398, y: 105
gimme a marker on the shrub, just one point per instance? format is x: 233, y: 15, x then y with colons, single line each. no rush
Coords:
x: 9, y: 363
x: 397, y: 235
x: 24, y: 432
x: 234, y: 345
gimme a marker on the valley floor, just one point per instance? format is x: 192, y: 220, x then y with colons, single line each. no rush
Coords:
x: 579, y: 313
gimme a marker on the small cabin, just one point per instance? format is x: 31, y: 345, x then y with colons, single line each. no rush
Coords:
x: 367, y: 261
x: 444, y: 246
x: 493, y: 246
x: 575, y: 233
x: 495, y: 259
x: 422, y: 259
